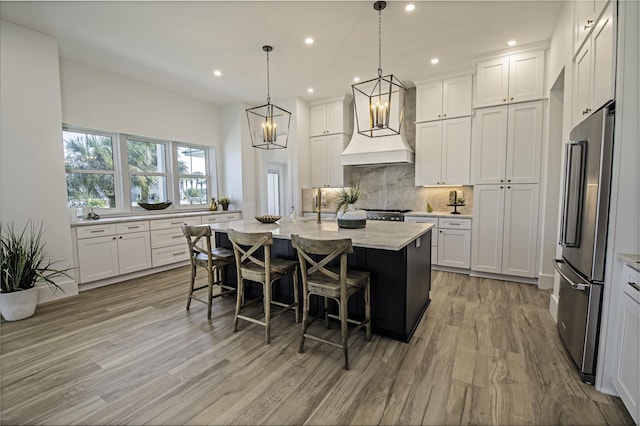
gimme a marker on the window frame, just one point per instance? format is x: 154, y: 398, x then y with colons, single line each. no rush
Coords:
x: 122, y: 174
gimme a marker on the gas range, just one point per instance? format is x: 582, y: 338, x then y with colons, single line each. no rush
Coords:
x: 388, y: 215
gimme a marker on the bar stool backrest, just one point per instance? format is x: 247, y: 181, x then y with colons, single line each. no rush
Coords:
x: 327, y: 250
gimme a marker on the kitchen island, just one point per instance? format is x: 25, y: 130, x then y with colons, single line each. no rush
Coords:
x: 397, y: 254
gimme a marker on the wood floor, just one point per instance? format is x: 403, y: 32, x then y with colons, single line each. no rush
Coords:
x: 486, y: 352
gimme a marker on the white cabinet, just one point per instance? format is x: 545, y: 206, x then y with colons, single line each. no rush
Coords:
x: 627, y: 379
x: 586, y: 14
x: 168, y: 243
x: 507, y: 144
x: 326, y: 170
x: 330, y: 117
x: 443, y: 152
x: 504, y: 237
x: 594, y: 68
x: 105, y: 251
x: 221, y: 217
x: 442, y: 99
x: 454, y: 242
x: 508, y: 79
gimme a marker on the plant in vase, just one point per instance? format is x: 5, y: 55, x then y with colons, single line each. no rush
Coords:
x: 224, y: 202
x: 23, y: 264
x: 348, y: 216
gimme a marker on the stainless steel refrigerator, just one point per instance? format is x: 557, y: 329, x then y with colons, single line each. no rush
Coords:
x: 585, y: 214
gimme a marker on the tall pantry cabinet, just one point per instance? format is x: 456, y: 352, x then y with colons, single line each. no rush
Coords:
x: 506, y: 161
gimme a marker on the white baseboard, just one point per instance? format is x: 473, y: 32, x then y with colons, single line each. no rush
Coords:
x: 125, y: 277
x: 45, y: 294
x: 504, y: 277
x: 450, y: 269
x: 546, y: 281
x: 553, y: 307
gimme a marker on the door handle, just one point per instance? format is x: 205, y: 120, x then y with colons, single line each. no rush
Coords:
x: 579, y: 287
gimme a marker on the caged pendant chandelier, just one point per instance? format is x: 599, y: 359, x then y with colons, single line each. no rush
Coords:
x: 379, y: 102
x: 268, y: 124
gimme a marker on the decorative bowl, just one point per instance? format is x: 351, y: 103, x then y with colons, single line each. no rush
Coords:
x: 155, y: 206
x: 267, y: 218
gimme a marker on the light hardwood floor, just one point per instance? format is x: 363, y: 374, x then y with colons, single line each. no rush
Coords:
x: 486, y: 352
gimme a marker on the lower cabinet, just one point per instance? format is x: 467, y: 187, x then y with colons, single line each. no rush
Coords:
x: 168, y: 244
x: 505, y: 234
x: 627, y: 380
x: 454, y: 243
x: 105, y: 251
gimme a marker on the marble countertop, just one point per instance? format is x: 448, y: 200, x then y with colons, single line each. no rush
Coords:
x: 632, y: 260
x: 150, y: 216
x: 377, y: 234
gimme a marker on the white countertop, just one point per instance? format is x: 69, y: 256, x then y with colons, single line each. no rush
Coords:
x: 416, y: 213
x: 150, y: 216
x: 377, y: 234
x: 632, y: 260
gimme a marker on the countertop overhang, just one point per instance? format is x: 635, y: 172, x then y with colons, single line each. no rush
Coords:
x: 377, y: 234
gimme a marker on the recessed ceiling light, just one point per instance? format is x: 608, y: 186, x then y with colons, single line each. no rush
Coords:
x: 511, y: 43
x: 308, y: 40
x: 434, y: 61
x: 217, y: 73
x: 410, y: 7
x: 356, y: 79
x: 310, y: 90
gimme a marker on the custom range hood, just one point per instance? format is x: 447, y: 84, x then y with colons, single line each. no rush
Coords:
x: 363, y: 151
x: 390, y: 149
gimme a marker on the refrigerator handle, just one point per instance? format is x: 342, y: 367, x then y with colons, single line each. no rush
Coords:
x: 576, y: 286
x: 574, y: 171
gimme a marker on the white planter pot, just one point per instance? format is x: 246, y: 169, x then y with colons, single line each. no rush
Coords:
x: 18, y: 305
x: 352, y: 218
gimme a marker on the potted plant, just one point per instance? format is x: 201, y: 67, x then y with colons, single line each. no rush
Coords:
x: 224, y: 202
x: 347, y: 215
x: 23, y: 264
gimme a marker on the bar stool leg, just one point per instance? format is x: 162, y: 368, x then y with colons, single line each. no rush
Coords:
x: 239, y: 299
x: 305, y: 316
x: 267, y: 312
x: 296, y: 297
x: 326, y: 311
x: 193, y: 278
x: 345, y: 332
x: 210, y: 298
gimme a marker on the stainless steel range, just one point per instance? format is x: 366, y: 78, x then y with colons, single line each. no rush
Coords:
x: 389, y: 215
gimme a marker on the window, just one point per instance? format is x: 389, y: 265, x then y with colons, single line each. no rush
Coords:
x: 192, y: 175
x: 102, y: 168
x: 147, y: 171
x: 89, y: 166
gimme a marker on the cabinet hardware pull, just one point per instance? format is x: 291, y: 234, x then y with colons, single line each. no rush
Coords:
x: 133, y: 227
x: 120, y: 237
x: 445, y: 115
x: 438, y: 115
x: 508, y: 180
x: 509, y: 187
x: 501, y: 180
x: 634, y: 285
x: 511, y: 98
x: 176, y: 223
x: 588, y: 110
x: 97, y: 230
x: 504, y: 99
x: 176, y: 236
x: 589, y: 24
x: 114, y: 238
x: 178, y: 253
x: 501, y: 186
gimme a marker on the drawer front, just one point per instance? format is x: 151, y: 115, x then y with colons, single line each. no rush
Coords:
x: 96, y: 231
x: 218, y: 218
x: 632, y: 283
x: 174, y: 222
x: 450, y: 223
x: 128, y: 227
x: 168, y: 255
x: 167, y: 237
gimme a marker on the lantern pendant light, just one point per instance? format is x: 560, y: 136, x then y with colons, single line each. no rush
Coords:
x: 268, y: 124
x: 379, y: 102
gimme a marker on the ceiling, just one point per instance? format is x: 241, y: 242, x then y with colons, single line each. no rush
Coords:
x: 177, y: 45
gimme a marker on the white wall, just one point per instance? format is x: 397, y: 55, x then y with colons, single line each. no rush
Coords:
x: 97, y: 99
x: 32, y: 179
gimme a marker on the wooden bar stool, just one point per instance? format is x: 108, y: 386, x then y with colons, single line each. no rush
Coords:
x: 246, y: 247
x: 330, y: 282
x: 213, y: 259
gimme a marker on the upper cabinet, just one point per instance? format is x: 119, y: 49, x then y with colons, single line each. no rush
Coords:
x: 331, y: 117
x: 594, y: 67
x: 443, y: 152
x: 586, y: 15
x: 449, y: 98
x: 507, y: 144
x: 325, y: 167
x: 509, y: 79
